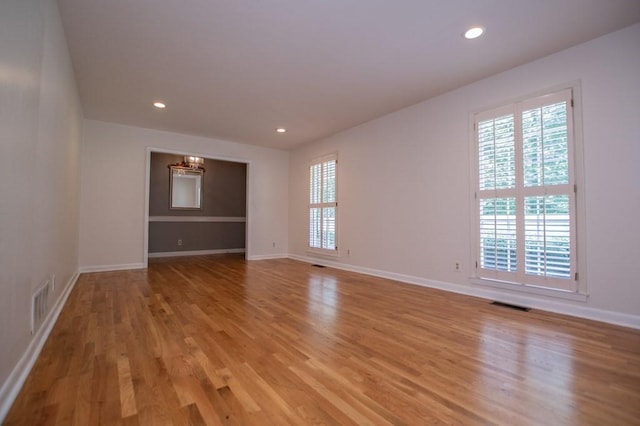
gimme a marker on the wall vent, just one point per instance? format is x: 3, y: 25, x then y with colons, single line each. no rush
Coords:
x: 40, y: 305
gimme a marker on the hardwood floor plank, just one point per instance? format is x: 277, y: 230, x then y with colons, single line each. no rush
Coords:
x: 81, y: 403
x: 127, y: 396
x: 271, y: 397
x: 193, y: 415
x: 217, y: 340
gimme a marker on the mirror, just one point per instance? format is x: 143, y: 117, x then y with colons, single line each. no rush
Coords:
x: 186, y: 188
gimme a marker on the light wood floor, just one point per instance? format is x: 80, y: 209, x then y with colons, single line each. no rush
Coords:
x: 218, y: 340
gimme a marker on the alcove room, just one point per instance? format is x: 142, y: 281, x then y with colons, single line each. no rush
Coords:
x: 197, y: 206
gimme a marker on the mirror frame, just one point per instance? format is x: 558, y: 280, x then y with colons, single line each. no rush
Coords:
x: 189, y: 171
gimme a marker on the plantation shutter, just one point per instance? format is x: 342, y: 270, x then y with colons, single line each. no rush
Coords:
x: 525, y: 193
x: 496, y: 136
x: 322, y: 203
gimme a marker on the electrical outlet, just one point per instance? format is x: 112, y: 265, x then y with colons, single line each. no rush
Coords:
x: 179, y: 242
x: 53, y: 282
x: 458, y: 266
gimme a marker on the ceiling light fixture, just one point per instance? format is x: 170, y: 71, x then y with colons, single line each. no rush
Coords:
x: 194, y: 162
x: 473, y: 32
x: 159, y: 105
x: 281, y: 130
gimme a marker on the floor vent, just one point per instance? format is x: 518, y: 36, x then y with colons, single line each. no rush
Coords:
x: 510, y: 306
x: 39, y: 306
x: 318, y: 266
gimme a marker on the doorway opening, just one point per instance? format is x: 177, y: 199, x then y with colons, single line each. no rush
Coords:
x: 217, y: 224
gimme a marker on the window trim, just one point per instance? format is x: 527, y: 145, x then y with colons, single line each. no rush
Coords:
x: 317, y: 250
x: 576, y: 177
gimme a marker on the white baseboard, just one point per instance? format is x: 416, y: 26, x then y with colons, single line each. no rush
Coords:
x: 269, y: 256
x: 194, y: 252
x: 107, y: 268
x: 543, y: 303
x: 11, y: 387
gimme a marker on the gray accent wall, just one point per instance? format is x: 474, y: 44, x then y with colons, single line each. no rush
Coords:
x: 224, y: 196
x: 164, y: 236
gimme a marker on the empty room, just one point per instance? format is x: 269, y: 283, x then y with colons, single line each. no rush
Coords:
x: 320, y: 212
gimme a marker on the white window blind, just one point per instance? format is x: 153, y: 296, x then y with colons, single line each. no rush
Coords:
x: 525, y: 194
x: 323, y: 203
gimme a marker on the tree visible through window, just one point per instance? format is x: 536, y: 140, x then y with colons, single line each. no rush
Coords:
x: 322, y: 203
x: 526, y: 194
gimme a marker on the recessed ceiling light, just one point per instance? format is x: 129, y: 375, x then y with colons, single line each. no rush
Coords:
x: 159, y: 105
x: 473, y: 32
x: 281, y: 130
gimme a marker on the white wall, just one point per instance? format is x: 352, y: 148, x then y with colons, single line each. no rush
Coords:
x: 404, y: 192
x: 40, y: 122
x: 112, y: 214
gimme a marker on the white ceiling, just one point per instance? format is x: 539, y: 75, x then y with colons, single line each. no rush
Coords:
x: 237, y: 69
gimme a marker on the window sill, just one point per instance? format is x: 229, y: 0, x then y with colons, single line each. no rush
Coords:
x: 323, y: 253
x: 539, y: 291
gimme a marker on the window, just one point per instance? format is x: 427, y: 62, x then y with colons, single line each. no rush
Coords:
x: 525, y: 193
x: 323, y: 204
